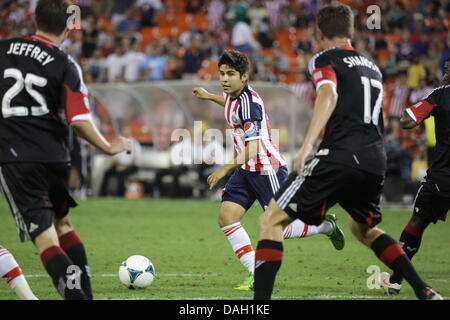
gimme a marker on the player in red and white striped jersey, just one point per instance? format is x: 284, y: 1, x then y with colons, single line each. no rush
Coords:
x: 11, y: 272
x: 259, y: 168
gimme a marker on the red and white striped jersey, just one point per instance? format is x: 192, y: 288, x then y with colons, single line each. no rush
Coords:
x: 247, y: 117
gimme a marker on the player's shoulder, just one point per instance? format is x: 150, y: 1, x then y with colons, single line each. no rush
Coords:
x: 320, y: 58
x: 441, y: 93
x: 250, y: 96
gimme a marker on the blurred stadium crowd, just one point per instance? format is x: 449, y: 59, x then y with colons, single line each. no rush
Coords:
x: 153, y: 40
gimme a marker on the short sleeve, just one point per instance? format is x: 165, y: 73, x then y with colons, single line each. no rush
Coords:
x: 321, y: 70
x: 251, y: 116
x: 75, y: 94
x: 424, y: 108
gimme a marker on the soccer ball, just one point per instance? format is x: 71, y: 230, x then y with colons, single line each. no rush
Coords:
x: 137, y: 272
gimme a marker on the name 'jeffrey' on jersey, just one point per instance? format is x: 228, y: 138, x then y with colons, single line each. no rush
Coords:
x: 247, y: 116
x: 41, y: 92
x: 354, y: 133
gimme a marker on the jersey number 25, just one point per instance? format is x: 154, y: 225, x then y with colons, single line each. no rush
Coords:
x: 27, y: 83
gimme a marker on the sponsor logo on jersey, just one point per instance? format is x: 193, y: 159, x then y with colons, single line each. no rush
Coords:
x: 249, y: 128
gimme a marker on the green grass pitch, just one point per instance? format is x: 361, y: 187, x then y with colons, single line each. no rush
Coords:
x: 193, y: 260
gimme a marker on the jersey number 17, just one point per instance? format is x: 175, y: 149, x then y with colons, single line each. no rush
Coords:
x: 372, y: 116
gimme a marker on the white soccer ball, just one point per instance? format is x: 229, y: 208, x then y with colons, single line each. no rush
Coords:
x: 137, y: 272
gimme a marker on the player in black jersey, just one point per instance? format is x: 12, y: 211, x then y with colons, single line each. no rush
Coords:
x: 433, y: 197
x: 41, y: 93
x: 350, y: 164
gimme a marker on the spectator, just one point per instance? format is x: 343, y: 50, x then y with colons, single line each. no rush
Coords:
x: 149, y: 9
x: 242, y: 38
x: 124, y: 164
x: 237, y: 12
x: 90, y: 37
x: 133, y: 59
x: 193, y: 58
x: 400, y: 95
x: 416, y: 72
x: 188, y: 35
x: 115, y: 65
x: 95, y: 66
x: 154, y: 65
x: 130, y: 22
x: 216, y: 10
x: 303, y: 89
x: 274, y: 8
x: 194, y: 6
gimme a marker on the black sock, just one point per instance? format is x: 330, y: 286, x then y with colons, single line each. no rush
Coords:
x: 392, y: 255
x: 57, y: 264
x: 410, y: 240
x: 268, y: 257
x: 74, y: 248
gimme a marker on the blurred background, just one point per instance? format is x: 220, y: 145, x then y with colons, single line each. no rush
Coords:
x: 141, y: 58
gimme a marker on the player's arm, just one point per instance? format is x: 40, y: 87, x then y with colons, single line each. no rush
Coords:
x: 250, y: 151
x: 87, y: 130
x: 407, y: 122
x: 203, y: 94
x: 416, y: 114
x: 323, y: 108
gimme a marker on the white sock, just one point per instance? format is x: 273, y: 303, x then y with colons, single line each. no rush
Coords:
x: 299, y: 229
x: 241, y: 244
x: 11, y: 272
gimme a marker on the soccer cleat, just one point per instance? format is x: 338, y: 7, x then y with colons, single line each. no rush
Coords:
x: 387, y: 286
x: 430, y: 294
x: 247, y: 285
x: 337, y: 235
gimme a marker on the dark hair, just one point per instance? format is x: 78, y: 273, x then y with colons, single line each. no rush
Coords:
x: 336, y: 20
x: 236, y: 60
x: 52, y: 16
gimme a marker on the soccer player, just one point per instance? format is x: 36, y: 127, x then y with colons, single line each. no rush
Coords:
x: 350, y: 164
x: 11, y: 272
x: 258, y: 170
x: 433, y: 197
x: 41, y: 93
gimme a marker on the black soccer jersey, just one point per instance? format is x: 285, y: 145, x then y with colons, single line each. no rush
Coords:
x: 437, y: 104
x: 41, y: 92
x: 354, y: 133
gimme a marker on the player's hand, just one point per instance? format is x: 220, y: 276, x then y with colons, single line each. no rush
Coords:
x: 300, y: 159
x: 120, y: 144
x: 200, y: 93
x: 215, y: 177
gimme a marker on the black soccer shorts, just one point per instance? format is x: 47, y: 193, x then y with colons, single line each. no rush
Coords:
x: 324, y: 184
x: 36, y: 192
x: 430, y: 204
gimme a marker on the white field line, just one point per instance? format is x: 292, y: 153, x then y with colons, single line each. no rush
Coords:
x: 111, y: 275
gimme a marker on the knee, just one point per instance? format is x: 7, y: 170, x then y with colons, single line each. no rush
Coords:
x: 226, y: 219
x: 63, y: 226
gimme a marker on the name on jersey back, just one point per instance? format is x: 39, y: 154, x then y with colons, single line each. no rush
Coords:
x: 30, y: 50
x: 359, y: 61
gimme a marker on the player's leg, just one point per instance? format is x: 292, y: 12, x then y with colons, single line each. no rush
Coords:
x: 26, y: 188
x: 266, y: 184
x: 73, y: 246
x: 392, y: 255
x: 269, y: 251
x: 429, y: 207
x: 12, y: 273
x: 58, y: 265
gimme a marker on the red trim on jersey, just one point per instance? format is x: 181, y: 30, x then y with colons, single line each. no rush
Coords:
x: 41, y: 39
x: 348, y: 48
x: 421, y: 110
x: 269, y: 254
x: 75, y: 105
x: 244, y: 250
x: 369, y: 219
x: 11, y: 275
x: 322, y: 74
x: 391, y: 253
